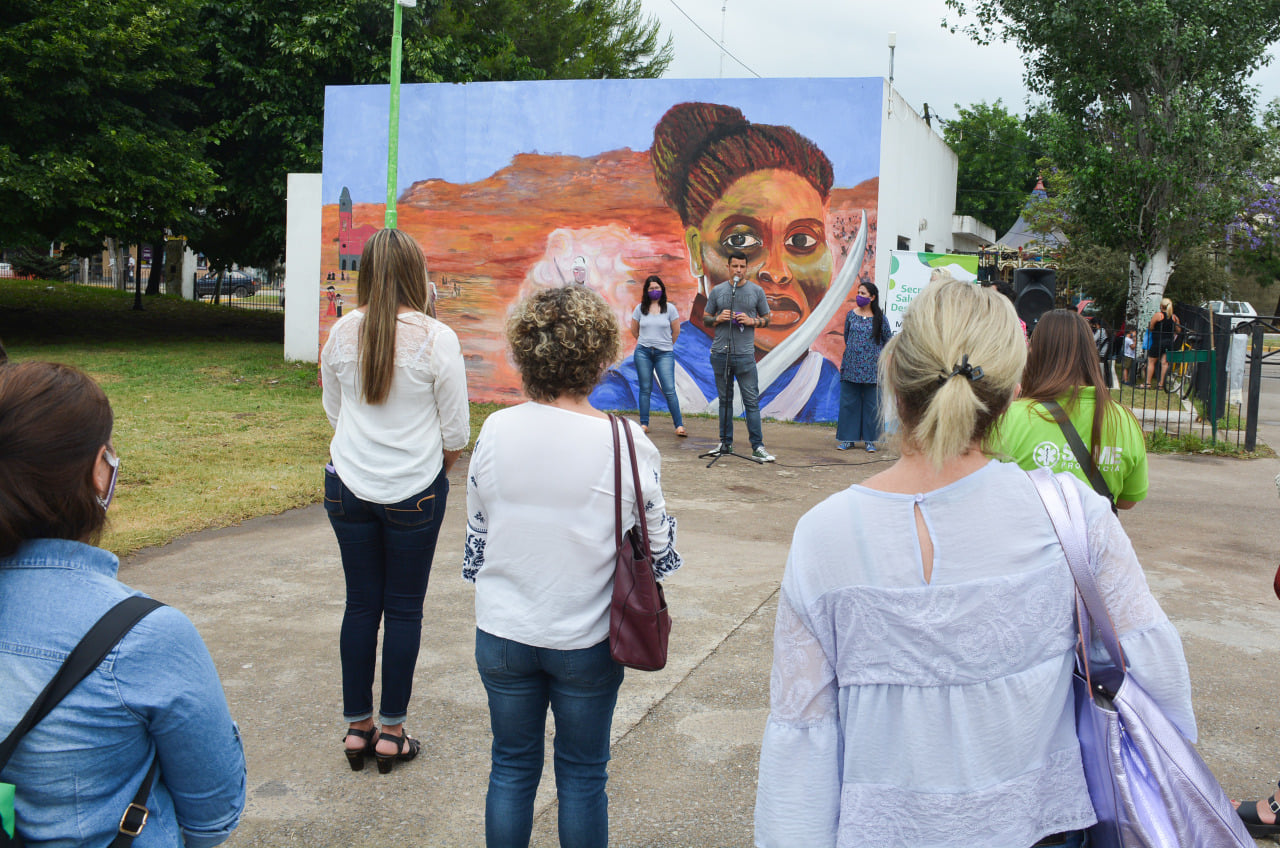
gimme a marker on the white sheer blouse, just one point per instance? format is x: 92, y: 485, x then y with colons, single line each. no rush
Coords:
x: 906, y: 713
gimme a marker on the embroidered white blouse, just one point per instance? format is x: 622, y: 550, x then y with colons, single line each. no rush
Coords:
x: 390, y: 451
x: 906, y: 713
x: 540, y: 524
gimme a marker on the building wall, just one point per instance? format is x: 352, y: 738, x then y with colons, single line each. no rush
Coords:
x: 917, y: 185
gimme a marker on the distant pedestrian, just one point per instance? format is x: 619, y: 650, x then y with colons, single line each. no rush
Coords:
x: 1164, y: 328
x: 395, y: 392
x: 865, y: 334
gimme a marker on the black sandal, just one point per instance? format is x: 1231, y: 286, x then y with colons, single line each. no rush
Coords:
x: 1248, y: 812
x: 356, y: 756
x: 386, y: 761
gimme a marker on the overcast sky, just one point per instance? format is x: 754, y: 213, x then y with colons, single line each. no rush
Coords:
x: 849, y: 38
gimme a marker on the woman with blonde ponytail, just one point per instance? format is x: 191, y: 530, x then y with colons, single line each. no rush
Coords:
x: 395, y: 391
x: 921, y: 687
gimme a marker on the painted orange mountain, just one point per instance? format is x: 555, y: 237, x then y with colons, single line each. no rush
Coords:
x: 487, y: 242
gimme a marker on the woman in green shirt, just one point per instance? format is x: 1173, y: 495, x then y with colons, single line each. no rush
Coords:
x: 1062, y: 367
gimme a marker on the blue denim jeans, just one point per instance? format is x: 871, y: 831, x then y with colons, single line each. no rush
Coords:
x: 743, y: 367
x: 386, y: 556
x: 581, y: 687
x: 648, y: 359
x: 859, y: 419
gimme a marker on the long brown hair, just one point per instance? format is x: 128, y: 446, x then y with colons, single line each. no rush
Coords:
x: 1062, y: 360
x: 53, y: 421
x: 393, y: 273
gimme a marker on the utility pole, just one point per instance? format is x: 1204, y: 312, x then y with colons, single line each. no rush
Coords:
x: 393, y: 133
x: 724, y: 5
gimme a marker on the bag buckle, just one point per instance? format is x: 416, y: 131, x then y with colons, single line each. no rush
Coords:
x: 133, y: 813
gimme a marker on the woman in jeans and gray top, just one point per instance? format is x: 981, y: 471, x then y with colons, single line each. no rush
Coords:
x: 656, y: 331
x: 540, y: 548
x: 395, y: 391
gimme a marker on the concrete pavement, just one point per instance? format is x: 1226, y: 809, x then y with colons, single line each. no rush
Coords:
x: 268, y: 598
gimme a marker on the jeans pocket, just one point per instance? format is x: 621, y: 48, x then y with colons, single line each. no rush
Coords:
x: 416, y: 511
x: 333, y: 493
x: 491, y: 653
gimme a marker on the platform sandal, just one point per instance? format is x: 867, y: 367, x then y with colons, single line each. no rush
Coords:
x: 1248, y: 811
x: 356, y: 756
x: 407, y: 749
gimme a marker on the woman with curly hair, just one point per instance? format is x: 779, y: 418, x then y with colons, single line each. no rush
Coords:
x: 761, y: 190
x: 540, y: 549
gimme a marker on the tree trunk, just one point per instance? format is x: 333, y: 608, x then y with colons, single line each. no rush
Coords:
x: 217, y: 288
x: 1147, y: 282
x: 115, y: 271
x: 157, y: 266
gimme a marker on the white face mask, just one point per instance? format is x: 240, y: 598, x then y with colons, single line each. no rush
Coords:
x: 114, y: 462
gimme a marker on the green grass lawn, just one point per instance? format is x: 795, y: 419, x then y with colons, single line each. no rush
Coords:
x: 211, y: 424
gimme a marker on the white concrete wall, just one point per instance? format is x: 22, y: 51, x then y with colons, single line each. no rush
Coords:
x: 917, y: 184
x: 302, y: 269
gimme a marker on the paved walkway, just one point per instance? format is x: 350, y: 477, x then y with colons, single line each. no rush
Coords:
x: 268, y: 598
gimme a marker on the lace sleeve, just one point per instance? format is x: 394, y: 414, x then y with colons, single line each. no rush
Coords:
x: 1152, y: 648
x: 798, y: 794
x: 662, y: 527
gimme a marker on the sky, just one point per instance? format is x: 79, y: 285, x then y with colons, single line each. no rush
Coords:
x: 849, y: 38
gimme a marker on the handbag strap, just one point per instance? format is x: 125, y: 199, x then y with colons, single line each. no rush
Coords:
x: 87, y: 655
x: 615, y: 422
x: 1062, y: 502
x: 1083, y: 456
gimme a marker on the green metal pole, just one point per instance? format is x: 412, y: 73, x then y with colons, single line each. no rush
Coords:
x: 393, y: 135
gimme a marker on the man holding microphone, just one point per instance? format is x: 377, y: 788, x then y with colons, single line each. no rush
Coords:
x: 735, y: 308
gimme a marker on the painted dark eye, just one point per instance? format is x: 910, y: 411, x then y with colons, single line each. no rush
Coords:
x: 741, y: 241
x: 801, y: 241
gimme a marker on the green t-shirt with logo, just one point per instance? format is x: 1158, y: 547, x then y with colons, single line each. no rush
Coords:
x: 1028, y: 435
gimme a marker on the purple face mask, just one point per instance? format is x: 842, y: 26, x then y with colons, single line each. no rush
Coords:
x: 862, y: 300
x: 655, y: 294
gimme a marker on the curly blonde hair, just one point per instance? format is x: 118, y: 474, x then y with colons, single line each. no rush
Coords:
x: 562, y: 340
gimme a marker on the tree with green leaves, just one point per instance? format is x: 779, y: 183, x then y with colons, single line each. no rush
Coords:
x: 99, y: 133
x: 1155, y: 114
x: 997, y: 163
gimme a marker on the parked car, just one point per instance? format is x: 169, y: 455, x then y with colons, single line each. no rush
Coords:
x: 1238, y: 310
x: 235, y: 283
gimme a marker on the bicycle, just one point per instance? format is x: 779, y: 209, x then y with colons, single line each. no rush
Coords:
x: 1181, y: 376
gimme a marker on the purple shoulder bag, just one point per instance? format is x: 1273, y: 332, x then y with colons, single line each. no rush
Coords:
x: 1149, y: 787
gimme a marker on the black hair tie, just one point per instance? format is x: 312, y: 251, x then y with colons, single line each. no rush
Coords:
x: 973, y: 372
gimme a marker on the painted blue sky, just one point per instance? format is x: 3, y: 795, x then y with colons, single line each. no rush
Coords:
x: 464, y: 133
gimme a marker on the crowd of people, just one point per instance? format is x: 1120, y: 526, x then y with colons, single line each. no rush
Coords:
x: 925, y: 634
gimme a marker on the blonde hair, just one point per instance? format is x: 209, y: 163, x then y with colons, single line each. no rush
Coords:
x: 562, y: 339
x: 1166, y: 306
x: 950, y: 325
x: 393, y: 273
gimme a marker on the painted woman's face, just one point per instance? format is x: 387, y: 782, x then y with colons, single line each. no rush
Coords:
x: 776, y: 218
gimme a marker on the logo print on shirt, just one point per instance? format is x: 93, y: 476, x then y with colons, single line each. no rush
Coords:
x: 1046, y: 454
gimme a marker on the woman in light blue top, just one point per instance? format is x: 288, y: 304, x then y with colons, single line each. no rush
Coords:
x: 155, y: 698
x: 656, y: 331
x: 921, y: 692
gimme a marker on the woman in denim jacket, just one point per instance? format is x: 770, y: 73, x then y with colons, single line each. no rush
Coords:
x: 156, y: 696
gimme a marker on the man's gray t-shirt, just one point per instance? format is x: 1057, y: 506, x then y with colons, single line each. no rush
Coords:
x: 750, y: 300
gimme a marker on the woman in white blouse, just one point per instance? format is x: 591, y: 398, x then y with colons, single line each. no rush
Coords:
x: 540, y: 549
x: 921, y: 690
x: 395, y: 391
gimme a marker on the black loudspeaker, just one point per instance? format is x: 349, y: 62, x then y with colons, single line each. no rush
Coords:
x: 1035, y: 290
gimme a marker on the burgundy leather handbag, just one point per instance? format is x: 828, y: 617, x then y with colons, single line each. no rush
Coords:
x: 639, y: 624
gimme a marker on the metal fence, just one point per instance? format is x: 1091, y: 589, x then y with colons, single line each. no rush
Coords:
x: 267, y: 297
x: 1213, y: 384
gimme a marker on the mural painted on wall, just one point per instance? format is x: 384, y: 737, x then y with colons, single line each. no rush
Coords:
x: 514, y: 186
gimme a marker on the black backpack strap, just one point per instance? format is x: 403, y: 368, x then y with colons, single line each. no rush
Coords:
x: 87, y: 655
x: 1081, y: 452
